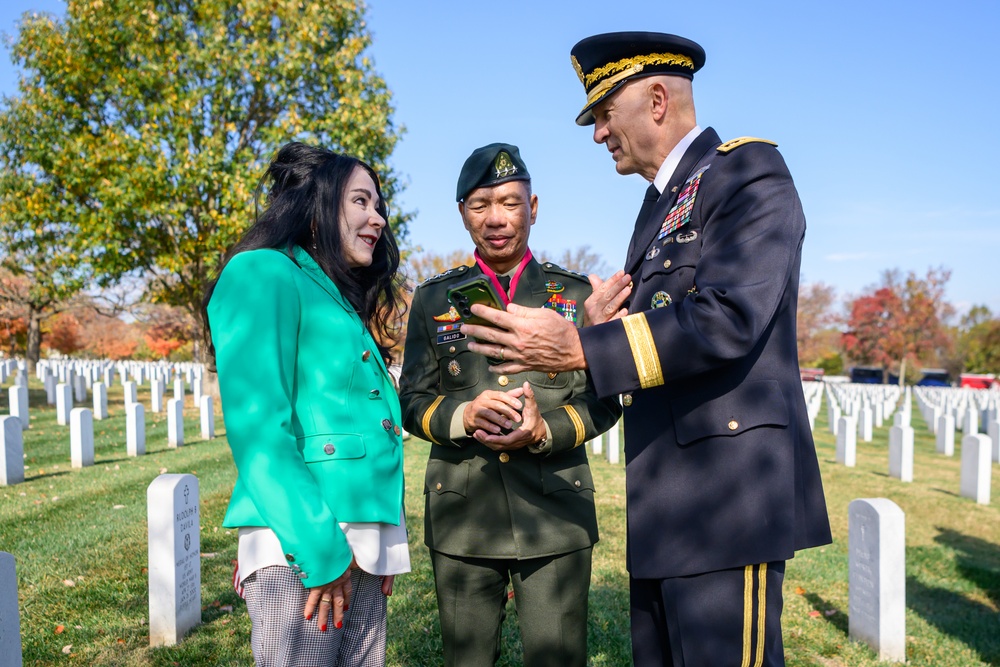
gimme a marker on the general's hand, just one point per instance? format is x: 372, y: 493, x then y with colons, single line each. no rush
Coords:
x: 493, y: 411
x: 334, y: 596
x: 530, y: 432
x: 605, y: 304
x: 528, y: 339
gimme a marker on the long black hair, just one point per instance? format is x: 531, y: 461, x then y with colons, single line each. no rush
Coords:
x: 298, y: 201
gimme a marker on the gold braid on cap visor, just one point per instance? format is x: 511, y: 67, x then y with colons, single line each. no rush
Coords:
x: 626, y: 67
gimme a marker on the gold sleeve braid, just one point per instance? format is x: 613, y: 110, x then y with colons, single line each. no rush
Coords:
x: 581, y: 431
x: 425, y: 423
x: 640, y: 341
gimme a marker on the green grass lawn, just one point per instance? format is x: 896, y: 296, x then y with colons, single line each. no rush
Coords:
x: 79, y: 537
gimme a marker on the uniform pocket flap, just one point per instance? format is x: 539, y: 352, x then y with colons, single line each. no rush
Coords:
x: 332, y: 446
x: 447, y: 477
x: 748, y: 406
x: 576, y: 478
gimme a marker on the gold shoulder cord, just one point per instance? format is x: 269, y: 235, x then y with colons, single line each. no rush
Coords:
x: 742, y: 141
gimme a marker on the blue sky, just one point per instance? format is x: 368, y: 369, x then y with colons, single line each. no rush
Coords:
x: 887, y: 114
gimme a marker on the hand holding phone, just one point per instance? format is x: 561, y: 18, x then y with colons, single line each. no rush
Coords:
x: 475, y: 290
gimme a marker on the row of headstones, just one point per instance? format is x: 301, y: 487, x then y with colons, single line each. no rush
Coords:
x: 944, y: 409
x: 869, y: 405
x: 976, y: 469
x: 876, y: 571
x: 174, y: 553
x: 81, y: 421
x: 64, y: 370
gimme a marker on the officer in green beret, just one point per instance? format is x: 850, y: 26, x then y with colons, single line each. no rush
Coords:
x: 509, y: 494
x: 698, y: 336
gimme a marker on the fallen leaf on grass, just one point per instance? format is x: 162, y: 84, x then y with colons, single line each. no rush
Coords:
x: 226, y: 607
x: 120, y: 641
x: 211, y: 554
x: 59, y: 629
x: 799, y: 590
x: 118, y: 507
x: 814, y: 614
x: 67, y: 648
x: 69, y: 582
x: 829, y: 612
x: 163, y: 471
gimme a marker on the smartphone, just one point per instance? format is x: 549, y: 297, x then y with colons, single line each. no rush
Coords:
x: 475, y: 290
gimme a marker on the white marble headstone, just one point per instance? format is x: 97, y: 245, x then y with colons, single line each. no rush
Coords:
x: 847, y: 442
x: 901, y: 453
x: 877, y: 576
x: 976, y: 468
x: 174, y: 558
x: 64, y: 403
x: 207, y: 418
x: 614, y: 445
x: 18, y: 397
x: 11, y: 451
x: 81, y: 434
x: 135, y: 429
x: 100, y: 400
x: 10, y: 620
x: 175, y: 422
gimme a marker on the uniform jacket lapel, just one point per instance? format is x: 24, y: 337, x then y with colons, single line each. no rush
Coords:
x: 646, y: 230
x: 313, y: 270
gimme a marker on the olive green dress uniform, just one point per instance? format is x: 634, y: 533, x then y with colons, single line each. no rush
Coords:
x: 525, y: 504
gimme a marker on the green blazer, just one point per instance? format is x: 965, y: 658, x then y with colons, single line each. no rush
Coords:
x: 528, y: 503
x: 311, y: 414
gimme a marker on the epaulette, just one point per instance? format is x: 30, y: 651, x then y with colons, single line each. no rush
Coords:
x: 555, y: 268
x: 455, y: 271
x: 741, y: 141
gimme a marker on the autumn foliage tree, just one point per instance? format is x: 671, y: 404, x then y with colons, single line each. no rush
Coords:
x: 817, y: 340
x: 64, y: 334
x: 900, y: 321
x: 158, y: 118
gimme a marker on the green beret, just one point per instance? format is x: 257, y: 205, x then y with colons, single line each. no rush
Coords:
x: 491, y: 165
x: 605, y: 63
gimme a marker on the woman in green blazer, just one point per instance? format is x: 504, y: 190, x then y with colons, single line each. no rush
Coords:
x: 296, y: 318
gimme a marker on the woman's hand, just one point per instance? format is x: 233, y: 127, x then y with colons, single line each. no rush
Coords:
x: 387, y: 584
x: 334, y: 596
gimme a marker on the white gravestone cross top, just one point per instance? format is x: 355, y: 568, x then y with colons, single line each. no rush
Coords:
x: 174, y: 558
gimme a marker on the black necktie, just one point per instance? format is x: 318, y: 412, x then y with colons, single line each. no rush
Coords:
x: 505, y: 283
x: 648, y: 202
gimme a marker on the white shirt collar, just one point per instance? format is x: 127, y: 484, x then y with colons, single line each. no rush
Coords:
x: 674, y: 158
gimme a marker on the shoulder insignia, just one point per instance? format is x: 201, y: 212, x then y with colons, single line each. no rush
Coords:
x: 741, y: 141
x: 549, y: 267
x: 456, y: 271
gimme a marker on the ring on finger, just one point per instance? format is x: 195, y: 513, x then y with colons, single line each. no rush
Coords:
x: 501, y: 352
x: 325, y: 598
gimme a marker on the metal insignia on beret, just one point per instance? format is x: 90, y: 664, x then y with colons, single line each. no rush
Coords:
x: 503, y: 166
x: 450, y: 316
x: 687, y: 237
x: 654, y: 251
x: 454, y: 368
x: 660, y: 300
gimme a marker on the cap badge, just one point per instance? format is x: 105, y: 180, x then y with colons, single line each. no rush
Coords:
x: 504, y: 166
x: 450, y: 316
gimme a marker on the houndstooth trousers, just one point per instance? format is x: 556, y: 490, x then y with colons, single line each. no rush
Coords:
x: 282, y: 637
